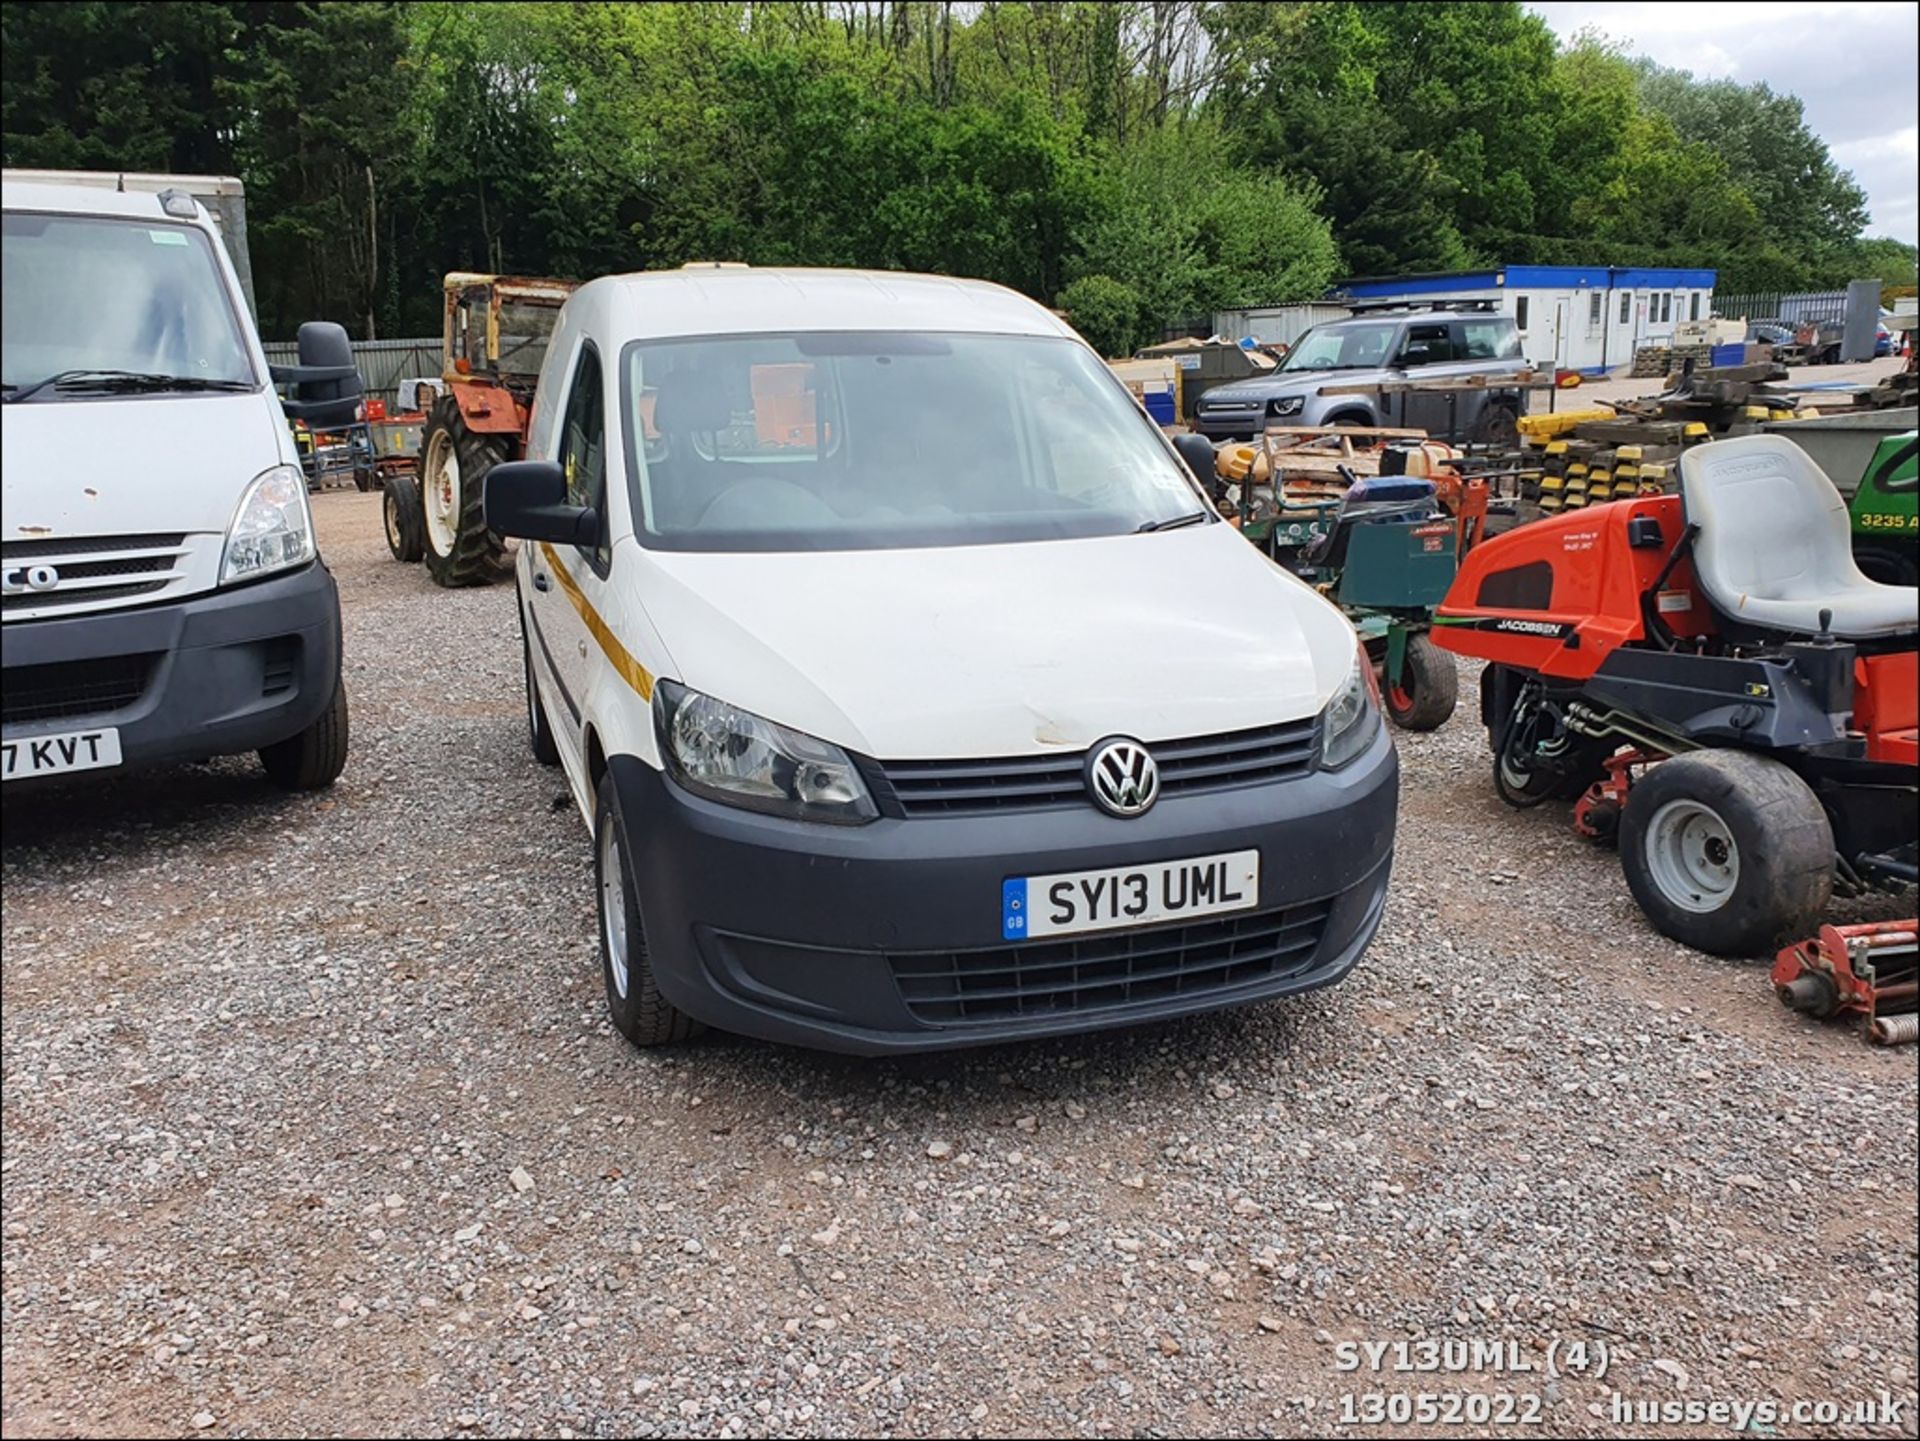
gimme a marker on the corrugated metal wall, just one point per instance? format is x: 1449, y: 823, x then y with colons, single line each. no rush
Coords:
x: 383, y: 363
x: 1275, y: 324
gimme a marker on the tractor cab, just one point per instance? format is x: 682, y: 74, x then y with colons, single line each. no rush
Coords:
x: 497, y: 328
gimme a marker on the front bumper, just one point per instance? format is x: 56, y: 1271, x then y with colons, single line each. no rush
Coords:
x: 220, y: 673
x: 843, y: 937
x: 1235, y: 425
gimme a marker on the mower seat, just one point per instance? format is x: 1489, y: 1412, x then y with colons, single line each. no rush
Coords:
x: 1774, y: 546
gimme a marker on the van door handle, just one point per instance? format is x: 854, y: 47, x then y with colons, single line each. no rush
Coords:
x: 541, y: 581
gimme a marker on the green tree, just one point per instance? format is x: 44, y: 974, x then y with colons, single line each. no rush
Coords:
x: 91, y: 86
x: 1106, y: 312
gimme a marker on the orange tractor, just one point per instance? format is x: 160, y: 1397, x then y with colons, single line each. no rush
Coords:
x: 495, y: 339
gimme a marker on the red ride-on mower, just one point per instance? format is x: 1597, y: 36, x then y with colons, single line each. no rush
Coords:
x: 1713, y: 679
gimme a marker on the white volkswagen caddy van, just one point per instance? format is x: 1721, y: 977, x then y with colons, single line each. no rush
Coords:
x: 913, y: 692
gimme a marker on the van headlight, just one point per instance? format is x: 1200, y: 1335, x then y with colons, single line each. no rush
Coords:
x: 726, y: 754
x: 1348, y: 724
x: 273, y: 529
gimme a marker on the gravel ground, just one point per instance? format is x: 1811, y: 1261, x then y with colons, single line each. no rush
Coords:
x: 312, y: 1124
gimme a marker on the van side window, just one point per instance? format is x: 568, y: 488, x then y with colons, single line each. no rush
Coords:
x: 583, y: 443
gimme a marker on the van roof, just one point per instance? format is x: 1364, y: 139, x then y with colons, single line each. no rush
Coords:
x: 747, y: 300
x: 83, y: 199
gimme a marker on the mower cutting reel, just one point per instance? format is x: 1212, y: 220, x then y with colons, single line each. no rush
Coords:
x: 1866, y: 970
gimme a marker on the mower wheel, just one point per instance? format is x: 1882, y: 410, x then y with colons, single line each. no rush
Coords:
x: 400, y: 515
x: 1429, y: 687
x: 1887, y: 564
x: 1727, y: 852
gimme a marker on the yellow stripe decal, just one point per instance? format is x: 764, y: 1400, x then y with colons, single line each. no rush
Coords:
x: 631, y: 671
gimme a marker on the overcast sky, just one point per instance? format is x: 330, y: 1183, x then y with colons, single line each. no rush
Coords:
x: 1852, y: 65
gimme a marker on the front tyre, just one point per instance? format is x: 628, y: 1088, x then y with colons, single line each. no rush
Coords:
x: 634, y: 1003
x: 539, y: 728
x: 1727, y: 852
x: 400, y: 518
x: 312, y: 760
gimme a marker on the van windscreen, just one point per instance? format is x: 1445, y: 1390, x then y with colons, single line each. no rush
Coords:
x: 878, y: 440
x: 111, y: 294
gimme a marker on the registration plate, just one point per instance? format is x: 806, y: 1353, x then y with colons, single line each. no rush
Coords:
x: 32, y: 756
x: 1074, y: 901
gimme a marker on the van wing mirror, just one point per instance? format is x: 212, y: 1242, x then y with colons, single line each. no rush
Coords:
x: 1197, y: 451
x: 325, y: 388
x: 528, y: 499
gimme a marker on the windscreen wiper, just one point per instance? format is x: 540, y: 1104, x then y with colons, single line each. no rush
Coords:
x: 110, y: 380
x: 1172, y: 523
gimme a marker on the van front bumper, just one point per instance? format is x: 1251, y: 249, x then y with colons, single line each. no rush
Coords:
x: 219, y: 673
x: 887, y: 937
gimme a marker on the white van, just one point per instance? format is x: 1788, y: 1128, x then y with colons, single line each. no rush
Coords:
x: 913, y: 691
x: 163, y: 596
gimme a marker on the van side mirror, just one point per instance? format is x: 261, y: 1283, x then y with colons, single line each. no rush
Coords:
x: 324, y: 389
x: 1197, y: 451
x: 528, y: 499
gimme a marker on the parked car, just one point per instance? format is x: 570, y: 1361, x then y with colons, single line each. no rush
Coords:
x: 864, y: 616
x: 164, y: 597
x: 1380, y: 347
x: 1882, y: 342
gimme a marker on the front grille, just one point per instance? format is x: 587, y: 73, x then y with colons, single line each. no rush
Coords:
x: 96, y: 568
x: 1104, y: 972
x: 1215, y: 762
x: 74, y: 688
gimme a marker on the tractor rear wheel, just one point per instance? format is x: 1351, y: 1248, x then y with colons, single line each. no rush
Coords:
x: 1727, y: 852
x: 1429, y: 687
x: 454, y: 462
x: 400, y: 516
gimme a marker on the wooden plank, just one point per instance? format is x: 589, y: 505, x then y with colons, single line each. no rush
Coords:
x: 1519, y: 380
x: 1398, y: 433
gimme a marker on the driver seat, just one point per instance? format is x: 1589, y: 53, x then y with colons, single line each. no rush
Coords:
x: 1774, y: 546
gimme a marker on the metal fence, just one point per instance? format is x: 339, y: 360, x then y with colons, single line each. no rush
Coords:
x: 1813, y: 307
x: 383, y: 364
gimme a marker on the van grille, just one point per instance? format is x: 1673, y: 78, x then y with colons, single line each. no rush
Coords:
x: 95, y: 569
x: 74, y: 688
x: 1104, y: 972
x: 1215, y: 762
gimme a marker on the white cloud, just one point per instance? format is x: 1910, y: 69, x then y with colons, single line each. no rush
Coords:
x: 1851, y: 64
